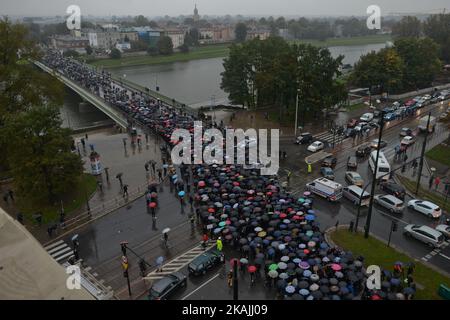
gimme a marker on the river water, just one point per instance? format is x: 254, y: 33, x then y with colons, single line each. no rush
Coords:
x: 195, y: 83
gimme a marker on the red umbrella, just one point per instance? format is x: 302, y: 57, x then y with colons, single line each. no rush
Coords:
x: 283, y: 215
x: 251, y: 269
x: 235, y: 183
x: 269, y: 193
x: 211, y: 210
x: 152, y: 205
x: 336, y: 267
x: 306, y: 251
x: 201, y: 183
x: 233, y: 261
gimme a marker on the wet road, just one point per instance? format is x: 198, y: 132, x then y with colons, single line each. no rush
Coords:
x: 345, y: 211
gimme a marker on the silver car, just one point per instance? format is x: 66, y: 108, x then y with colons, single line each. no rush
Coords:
x: 390, y: 202
x: 425, y: 234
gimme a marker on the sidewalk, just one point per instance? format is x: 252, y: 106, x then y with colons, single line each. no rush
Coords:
x: 118, y: 158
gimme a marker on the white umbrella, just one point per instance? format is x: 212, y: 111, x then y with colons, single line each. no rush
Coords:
x: 273, y: 274
x: 166, y: 230
x: 283, y: 275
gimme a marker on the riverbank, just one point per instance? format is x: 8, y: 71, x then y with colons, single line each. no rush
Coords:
x: 353, y: 41
x: 221, y: 50
x: 206, y: 52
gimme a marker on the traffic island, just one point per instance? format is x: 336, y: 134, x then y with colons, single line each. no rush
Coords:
x: 376, y: 252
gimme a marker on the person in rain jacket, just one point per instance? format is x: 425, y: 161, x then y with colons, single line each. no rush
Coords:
x: 219, y: 244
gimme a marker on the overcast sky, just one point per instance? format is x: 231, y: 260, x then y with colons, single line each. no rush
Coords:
x: 218, y: 7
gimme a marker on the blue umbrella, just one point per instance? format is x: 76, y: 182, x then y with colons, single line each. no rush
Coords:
x: 307, y: 273
x: 174, y: 177
x: 181, y: 193
x: 310, y: 217
x: 217, y: 230
x: 160, y: 260
x: 311, y: 211
x: 290, y: 289
x: 304, y: 292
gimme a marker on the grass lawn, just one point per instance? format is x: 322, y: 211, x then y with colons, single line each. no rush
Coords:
x: 377, y: 253
x: 73, y: 200
x: 353, y: 41
x: 205, y: 52
x: 440, y: 153
x: 425, y: 193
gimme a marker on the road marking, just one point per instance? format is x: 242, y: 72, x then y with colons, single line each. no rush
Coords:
x: 424, y: 259
x: 433, y: 253
x: 428, y: 256
x: 204, y: 284
x: 444, y: 256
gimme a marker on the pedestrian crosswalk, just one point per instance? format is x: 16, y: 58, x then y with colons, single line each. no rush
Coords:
x: 327, y: 136
x: 178, y: 263
x: 60, y: 251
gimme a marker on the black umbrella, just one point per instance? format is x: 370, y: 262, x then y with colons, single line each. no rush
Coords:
x: 324, y: 289
x: 303, y: 284
x: 317, y: 294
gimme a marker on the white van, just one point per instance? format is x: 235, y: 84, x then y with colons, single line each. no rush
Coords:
x: 425, y: 234
x: 328, y: 189
x: 353, y: 193
x: 383, y: 168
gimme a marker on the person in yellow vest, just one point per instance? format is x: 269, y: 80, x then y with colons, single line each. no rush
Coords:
x: 309, y: 167
x: 219, y: 244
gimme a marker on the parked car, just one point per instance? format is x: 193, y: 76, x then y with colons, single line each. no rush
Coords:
x: 363, y: 150
x: 393, y: 189
x: 406, y: 132
x: 353, y: 193
x: 426, y: 207
x: 353, y: 177
x: 444, y: 229
x: 408, y: 140
x: 389, y: 202
x: 366, y: 117
x: 374, y: 144
x: 352, y: 162
x: 329, y: 162
x: 352, y: 123
x: 163, y: 288
x: 327, y: 172
x: 304, y: 138
x: 425, y: 234
x: 316, y: 146
x: 350, y: 132
x: 205, y: 261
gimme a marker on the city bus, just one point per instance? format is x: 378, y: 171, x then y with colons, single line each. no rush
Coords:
x: 383, y: 169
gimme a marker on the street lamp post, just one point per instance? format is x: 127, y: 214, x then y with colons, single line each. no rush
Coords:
x: 374, y: 177
x: 359, y: 206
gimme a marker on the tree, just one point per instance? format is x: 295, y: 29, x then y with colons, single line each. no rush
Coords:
x: 184, y: 48
x: 437, y: 28
x: 89, y: 50
x: 138, y: 45
x: 115, y: 53
x: 165, y: 45
x: 40, y: 156
x: 153, y: 51
x: 383, y: 68
x: 189, y: 21
x: 240, y: 32
x: 191, y: 38
x: 421, y: 61
x: 141, y: 21
x: 407, y: 27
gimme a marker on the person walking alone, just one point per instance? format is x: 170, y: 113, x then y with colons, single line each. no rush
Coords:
x: 437, y: 181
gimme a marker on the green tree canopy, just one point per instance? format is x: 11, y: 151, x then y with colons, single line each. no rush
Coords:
x: 115, y: 53
x: 39, y: 154
x: 407, y: 27
x: 437, y: 27
x: 240, y: 32
x: 165, y: 45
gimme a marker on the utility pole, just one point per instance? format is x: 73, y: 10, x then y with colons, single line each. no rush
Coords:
x: 125, y: 265
x: 422, y: 154
x: 374, y: 178
x: 296, y: 115
x: 393, y: 229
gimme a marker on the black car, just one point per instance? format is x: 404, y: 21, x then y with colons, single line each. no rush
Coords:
x: 304, y: 138
x: 352, y: 162
x: 329, y: 162
x: 350, y: 132
x: 363, y: 150
x: 394, y: 189
x: 163, y: 288
x: 205, y: 261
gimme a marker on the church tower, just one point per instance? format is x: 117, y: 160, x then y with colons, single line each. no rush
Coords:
x: 196, y: 16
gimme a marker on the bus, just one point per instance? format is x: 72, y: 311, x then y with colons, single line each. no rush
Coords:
x: 383, y: 168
